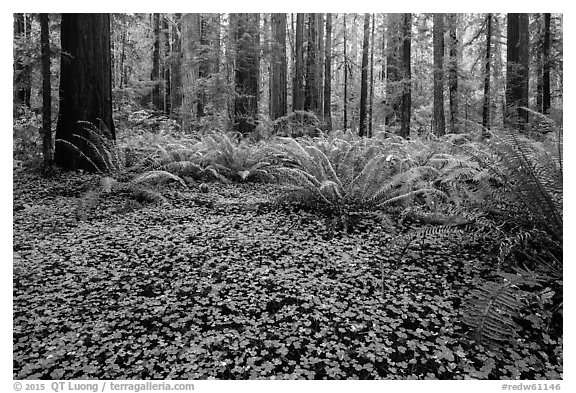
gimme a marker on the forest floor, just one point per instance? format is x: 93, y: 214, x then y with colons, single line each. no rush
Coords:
x: 222, y: 284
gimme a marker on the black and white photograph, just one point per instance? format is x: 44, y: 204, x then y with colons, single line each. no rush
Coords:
x: 287, y: 196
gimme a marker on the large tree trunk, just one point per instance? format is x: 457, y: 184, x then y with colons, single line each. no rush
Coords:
x: 175, y: 65
x: 517, y: 57
x: 328, y: 74
x: 311, y: 98
x: 85, y: 87
x: 166, y: 66
x: 438, y: 121
x: 247, y: 72
x: 22, y: 70
x: 155, y: 75
x: 546, y: 101
x: 345, y: 77
x: 189, y: 69
x: 453, y: 74
x: 394, y: 90
x: 278, y: 93
x: 46, y: 93
x: 298, y: 85
x: 486, y: 101
x: 364, y: 77
x: 371, y: 99
x: 203, y: 64
x: 406, y: 108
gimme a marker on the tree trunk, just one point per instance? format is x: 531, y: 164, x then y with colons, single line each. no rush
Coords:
x: 85, y: 87
x: 546, y: 101
x: 362, y: 129
x: 311, y: 99
x: 189, y: 69
x: 371, y: 99
x: 394, y: 89
x: 155, y: 74
x: 278, y: 93
x: 320, y: 64
x: 46, y: 93
x: 328, y: 74
x: 345, y: 77
x: 453, y: 74
x: 517, y: 57
x: 406, y: 108
x: 166, y: 66
x: 486, y: 102
x: 203, y: 64
x: 175, y: 64
x: 438, y: 121
x: 22, y: 71
x: 247, y: 72
x: 298, y: 85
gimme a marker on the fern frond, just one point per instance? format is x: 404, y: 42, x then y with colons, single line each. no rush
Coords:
x: 157, y: 177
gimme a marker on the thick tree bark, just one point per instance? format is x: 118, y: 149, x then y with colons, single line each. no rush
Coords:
x: 546, y: 101
x: 203, y: 64
x: 453, y: 73
x: 371, y: 99
x: 362, y: 129
x: 328, y: 74
x: 298, y: 85
x: 46, y: 93
x: 189, y: 69
x: 247, y: 72
x: 487, y: 102
x: 85, y: 86
x: 517, y: 57
x: 155, y: 75
x: 394, y: 88
x: 345, y: 77
x: 406, y: 108
x: 22, y: 71
x: 438, y: 121
x: 278, y: 93
x: 311, y: 97
x: 166, y: 66
x: 320, y: 64
x: 175, y: 65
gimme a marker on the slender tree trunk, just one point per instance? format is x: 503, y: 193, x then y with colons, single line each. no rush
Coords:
x: 85, y: 87
x: 438, y: 121
x: 278, y: 93
x: 155, y: 75
x: 328, y: 74
x: 345, y: 77
x: 406, y: 109
x: 394, y: 90
x: 320, y: 64
x: 247, y: 72
x: 453, y: 73
x: 123, y: 58
x: 22, y: 71
x: 517, y: 75
x: 486, y: 102
x: 546, y: 101
x: 298, y: 85
x: 46, y: 93
x: 362, y: 129
x: 176, y: 63
x: 371, y: 99
x: 203, y: 65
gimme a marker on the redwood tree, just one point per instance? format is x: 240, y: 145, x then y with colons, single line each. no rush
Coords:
x: 46, y: 93
x: 298, y: 84
x: 438, y: 121
x: 328, y: 74
x: 517, y: 57
x: 364, y: 77
x: 406, y: 107
x: 278, y: 94
x: 486, y: 102
x: 85, y: 86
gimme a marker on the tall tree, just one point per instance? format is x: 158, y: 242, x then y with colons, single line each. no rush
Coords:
x: 371, y: 99
x: 487, y: 62
x: 453, y: 72
x: 393, y: 68
x: 204, y: 62
x: 406, y: 108
x: 438, y: 121
x: 298, y: 84
x: 345, y: 77
x: 155, y: 75
x: 85, y: 86
x: 189, y: 69
x: 166, y: 65
x: 22, y: 69
x: 278, y: 69
x: 364, y: 77
x: 328, y: 74
x: 311, y: 90
x: 546, y: 65
x: 175, y: 64
x: 46, y: 93
x: 247, y: 72
x: 517, y: 75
